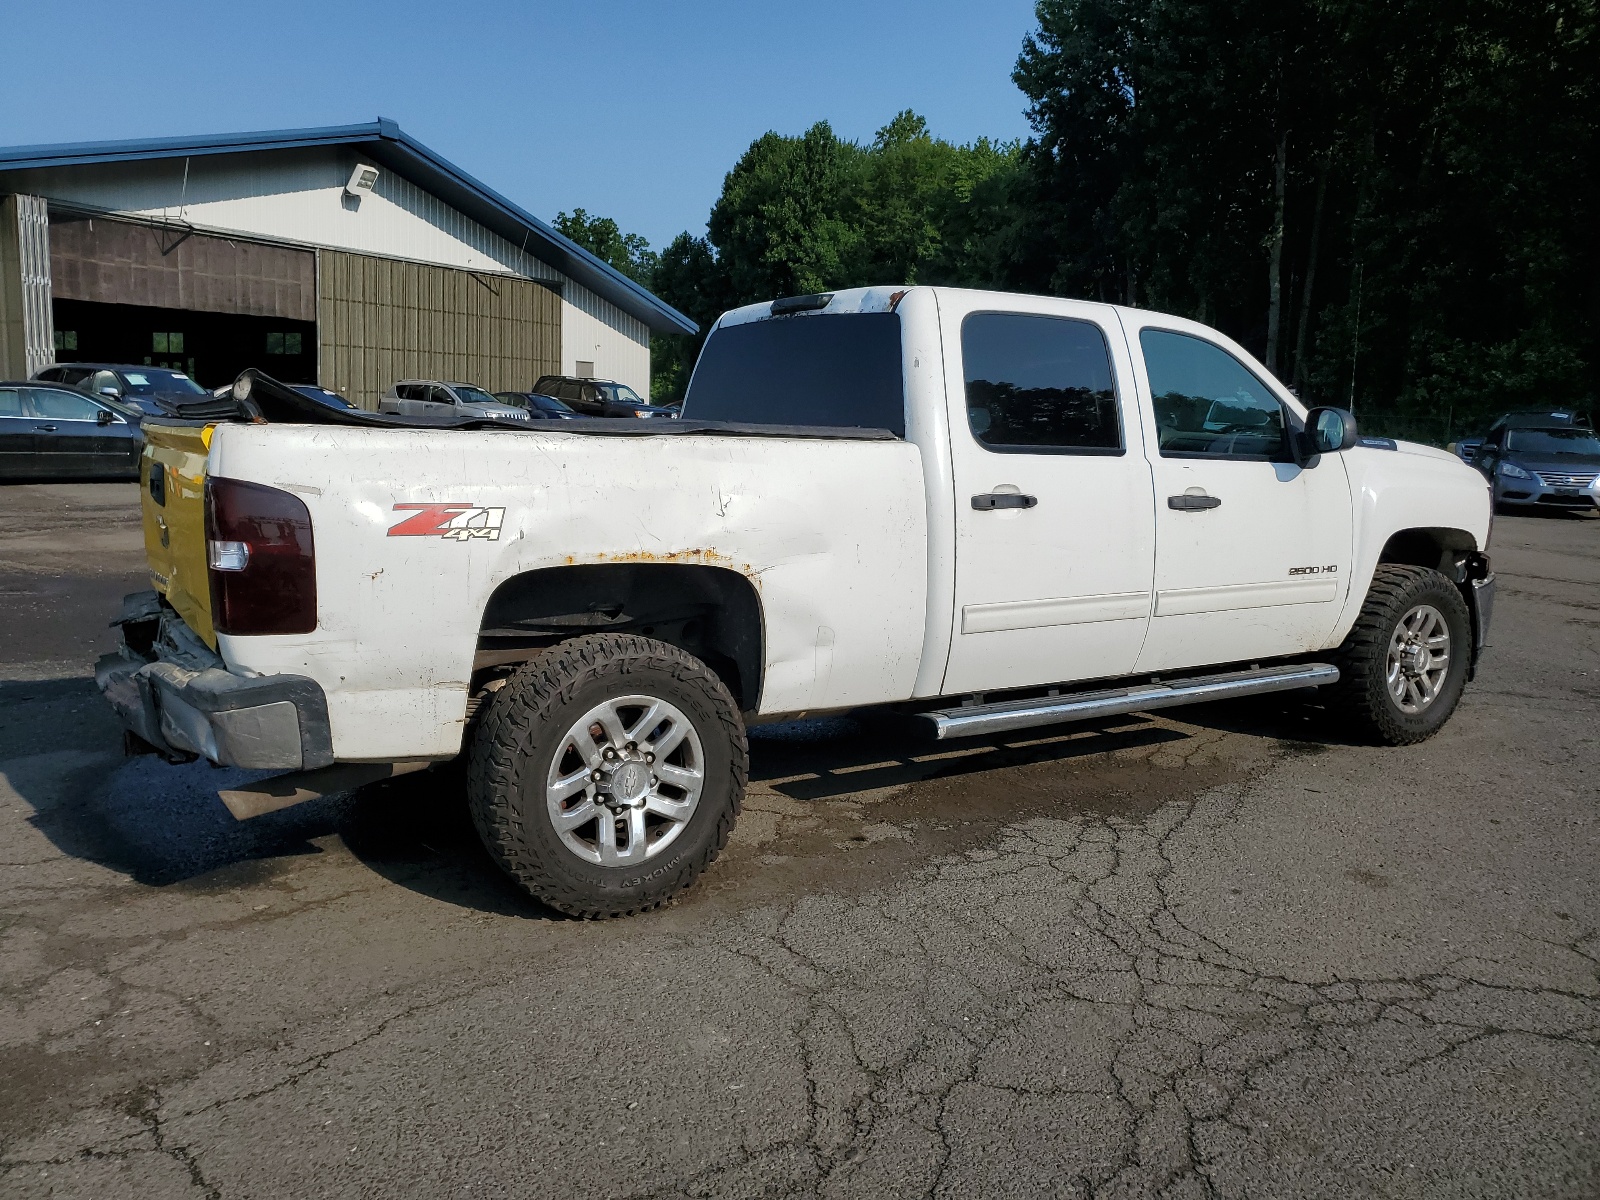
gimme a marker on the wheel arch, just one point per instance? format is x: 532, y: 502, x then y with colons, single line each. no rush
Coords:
x: 1436, y: 547
x: 711, y: 612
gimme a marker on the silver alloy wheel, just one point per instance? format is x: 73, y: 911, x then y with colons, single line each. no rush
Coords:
x: 1419, y: 658
x: 625, y: 780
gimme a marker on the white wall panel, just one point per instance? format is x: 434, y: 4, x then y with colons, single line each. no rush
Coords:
x: 290, y: 195
x: 595, y: 330
x: 298, y: 196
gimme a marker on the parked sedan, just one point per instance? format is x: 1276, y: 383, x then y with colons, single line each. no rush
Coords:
x: 133, y: 386
x: 1549, y: 459
x: 321, y: 395
x: 48, y: 431
x: 539, y: 407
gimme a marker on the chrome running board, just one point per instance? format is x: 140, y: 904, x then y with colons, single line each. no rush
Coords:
x: 974, y: 719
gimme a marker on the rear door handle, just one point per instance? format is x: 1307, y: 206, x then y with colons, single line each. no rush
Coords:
x: 45, y: 428
x: 991, y: 500
x: 1187, y: 503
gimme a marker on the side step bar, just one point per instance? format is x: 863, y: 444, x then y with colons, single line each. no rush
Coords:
x: 976, y: 719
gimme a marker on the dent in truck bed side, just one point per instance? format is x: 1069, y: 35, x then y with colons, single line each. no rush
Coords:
x: 831, y: 534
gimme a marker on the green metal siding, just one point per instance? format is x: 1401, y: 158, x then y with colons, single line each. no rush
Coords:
x: 380, y: 320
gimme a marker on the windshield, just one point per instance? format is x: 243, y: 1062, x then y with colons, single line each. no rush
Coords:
x: 836, y: 370
x: 621, y: 393
x: 550, y: 403
x: 472, y: 395
x: 1553, y: 441
x: 153, y: 380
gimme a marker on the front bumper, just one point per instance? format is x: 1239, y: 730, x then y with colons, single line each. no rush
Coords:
x: 1536, y: 491
x: 175, y: 693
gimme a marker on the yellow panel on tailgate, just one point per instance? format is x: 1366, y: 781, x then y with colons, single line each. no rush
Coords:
x: 173, y: 474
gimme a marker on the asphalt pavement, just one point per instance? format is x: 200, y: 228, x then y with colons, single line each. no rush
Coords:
x: 1218, y: 952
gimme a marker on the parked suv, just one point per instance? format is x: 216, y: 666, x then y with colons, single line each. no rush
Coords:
x: 1548, y: 458
x: 431, y: 398
x: 598, y: 397
x: 140, y: 387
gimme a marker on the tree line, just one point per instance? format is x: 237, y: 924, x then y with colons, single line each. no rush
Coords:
x: 1392, y: 204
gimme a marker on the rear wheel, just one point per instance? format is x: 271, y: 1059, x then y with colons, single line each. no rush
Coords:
x: 607, y: 774
x: 1403, y: 666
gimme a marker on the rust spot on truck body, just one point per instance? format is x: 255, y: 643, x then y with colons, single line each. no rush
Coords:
x: 695, y: 557
x: 702, y: 557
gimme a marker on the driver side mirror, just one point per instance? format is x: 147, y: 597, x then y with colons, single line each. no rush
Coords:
x: 1330, y: 430
x: 112, y: 392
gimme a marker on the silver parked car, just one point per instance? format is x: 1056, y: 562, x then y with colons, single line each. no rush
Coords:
x: 432, y: 398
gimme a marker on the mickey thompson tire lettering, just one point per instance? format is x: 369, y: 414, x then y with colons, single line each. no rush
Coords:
x: 1362, y: 698
x: 523, y: 726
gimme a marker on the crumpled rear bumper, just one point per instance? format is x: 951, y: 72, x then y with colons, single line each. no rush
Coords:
x: 175, y: 693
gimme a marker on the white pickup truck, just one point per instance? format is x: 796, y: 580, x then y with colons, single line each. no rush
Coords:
x: 990, y: 511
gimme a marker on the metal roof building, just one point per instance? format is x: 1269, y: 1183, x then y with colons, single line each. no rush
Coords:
x: 350, y: 256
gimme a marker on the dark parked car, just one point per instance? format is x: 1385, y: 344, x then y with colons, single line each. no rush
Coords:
x: 598, y: 397
x: 1541, y: 458
x: 48, y: 431
x: 139, y: 387
x: 540, y: 407
x: 321, y: 395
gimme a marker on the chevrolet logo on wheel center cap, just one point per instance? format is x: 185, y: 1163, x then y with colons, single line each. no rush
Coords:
x: 630, y: 783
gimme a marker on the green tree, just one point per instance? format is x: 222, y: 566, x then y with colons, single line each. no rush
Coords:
x: 813, y: 213
x: 629, y: 253
x: 1386, y: 201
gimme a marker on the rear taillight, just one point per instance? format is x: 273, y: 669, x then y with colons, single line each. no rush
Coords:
x: 261, y: 560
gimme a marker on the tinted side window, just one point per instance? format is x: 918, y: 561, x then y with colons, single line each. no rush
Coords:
x: 1207, y: 404
x: 10, y: 402
x: 1039, y: 384
x: 61, y: 406
x: 833, y: 370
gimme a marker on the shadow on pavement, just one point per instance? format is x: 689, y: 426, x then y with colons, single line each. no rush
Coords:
x: 163, y: 825
x: 1296, y: 719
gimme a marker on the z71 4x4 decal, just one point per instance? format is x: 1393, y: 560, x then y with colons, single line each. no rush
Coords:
x: 458, y: 522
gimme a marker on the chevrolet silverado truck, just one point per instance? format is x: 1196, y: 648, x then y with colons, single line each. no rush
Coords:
x: 986, y: 511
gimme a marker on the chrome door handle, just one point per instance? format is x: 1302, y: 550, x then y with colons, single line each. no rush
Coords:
x: 1187, y: 503
x: 45, y: 428
x: 989, y: 500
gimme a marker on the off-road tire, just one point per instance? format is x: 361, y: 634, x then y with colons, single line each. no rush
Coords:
x: 519, y: 731
x: 1361, y: 698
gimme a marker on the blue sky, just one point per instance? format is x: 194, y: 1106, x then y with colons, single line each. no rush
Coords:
x: 632, y: 110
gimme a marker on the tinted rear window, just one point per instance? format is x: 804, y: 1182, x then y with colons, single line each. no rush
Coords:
x: 839, y: 370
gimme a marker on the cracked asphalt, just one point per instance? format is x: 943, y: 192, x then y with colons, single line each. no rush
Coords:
x: 1215, y: 953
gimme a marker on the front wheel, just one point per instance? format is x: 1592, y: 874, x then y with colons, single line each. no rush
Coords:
x: 607, y: 774
x: 1404, y: 664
